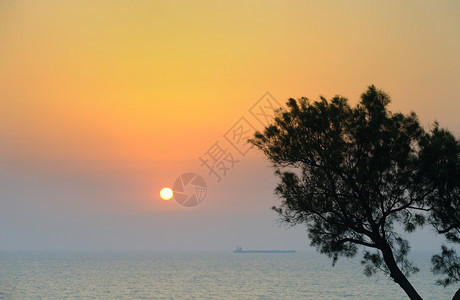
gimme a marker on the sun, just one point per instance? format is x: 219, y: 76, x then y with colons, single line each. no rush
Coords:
x: 166, y: 193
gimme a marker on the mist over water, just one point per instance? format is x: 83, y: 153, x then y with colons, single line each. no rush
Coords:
x: 199, y: 275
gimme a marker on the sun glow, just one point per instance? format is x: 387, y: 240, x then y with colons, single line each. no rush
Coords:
x: 166, y: 193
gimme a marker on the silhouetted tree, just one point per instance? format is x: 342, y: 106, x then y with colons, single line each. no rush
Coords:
x: 440, y: 160
x: 353, y: 174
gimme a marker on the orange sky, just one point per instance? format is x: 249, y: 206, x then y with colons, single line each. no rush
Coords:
x: 115, y: 99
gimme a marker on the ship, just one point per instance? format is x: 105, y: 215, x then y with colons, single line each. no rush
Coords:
x: 239, y: 249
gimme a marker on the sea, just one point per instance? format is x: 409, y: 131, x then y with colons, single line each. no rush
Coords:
x: 201, y: 275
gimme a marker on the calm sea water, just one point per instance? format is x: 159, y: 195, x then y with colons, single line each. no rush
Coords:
x: 198, y: 275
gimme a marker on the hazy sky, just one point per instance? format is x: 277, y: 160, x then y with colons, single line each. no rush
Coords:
x: 103, y: 103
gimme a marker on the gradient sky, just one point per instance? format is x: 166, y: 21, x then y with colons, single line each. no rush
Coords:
x: 103, y: 103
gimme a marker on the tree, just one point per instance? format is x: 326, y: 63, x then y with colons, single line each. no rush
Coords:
x: 440, y: 162
x: 352, y: 174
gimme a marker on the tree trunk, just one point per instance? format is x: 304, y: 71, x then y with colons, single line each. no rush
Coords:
x: 457, y: 295
x: 396, y: 273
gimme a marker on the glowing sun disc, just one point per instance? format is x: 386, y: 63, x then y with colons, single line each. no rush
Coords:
x: 166, y: 193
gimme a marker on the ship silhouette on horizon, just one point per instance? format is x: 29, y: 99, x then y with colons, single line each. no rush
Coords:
x: 239, y: 249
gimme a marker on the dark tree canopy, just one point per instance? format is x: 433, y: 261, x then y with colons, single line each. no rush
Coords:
x: 353, y: 175
x: 440, y: 162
